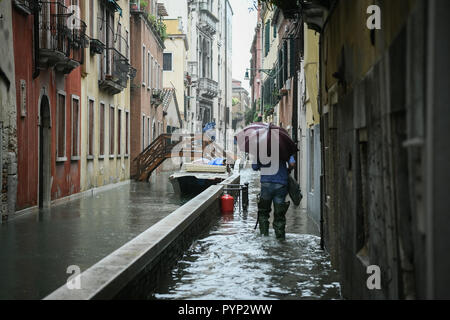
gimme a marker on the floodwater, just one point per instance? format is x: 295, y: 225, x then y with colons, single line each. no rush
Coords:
x: 233, y: 262
x: 37, y: 248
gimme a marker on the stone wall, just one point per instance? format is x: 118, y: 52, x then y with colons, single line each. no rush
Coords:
x: 8, y: 134
x: 373, y: 179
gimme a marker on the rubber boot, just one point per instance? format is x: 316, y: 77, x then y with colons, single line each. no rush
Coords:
x: 264, y: 208
x: 279, y: 220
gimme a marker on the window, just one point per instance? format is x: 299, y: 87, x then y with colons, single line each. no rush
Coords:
x: 127, y: 34
x: 119, y: 132
x: 267, y: 38
x: 102, y: 129
x: 75, y: 127
x: 149, y: 69
x: 150, y: 66
x: 143, y: 132
x: 91, y: 18
x: 311, y: 160
x: 148, y: 131
x: 127, y: 131
x: 167, y: 63
x: 154, y: 74
x: 90, y: 128
x: 143, y: 65
x: 111, y: 131
x: 61, y: 127
x: 119, y: 36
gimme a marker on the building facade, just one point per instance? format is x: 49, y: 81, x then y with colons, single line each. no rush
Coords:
x: 48, y: 75
x: 175, y: 68
x: 8, y: 120
x: 147, y: 94
x: 105, y: 92
x: 255, y: 67
x: 240, y: 106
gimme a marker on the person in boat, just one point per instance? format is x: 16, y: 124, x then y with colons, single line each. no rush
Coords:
x: 274, y: 188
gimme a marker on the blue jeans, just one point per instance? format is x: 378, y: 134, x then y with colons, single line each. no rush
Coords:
x: 275, y: 192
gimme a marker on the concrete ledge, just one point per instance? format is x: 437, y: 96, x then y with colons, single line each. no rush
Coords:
x: 132, y: 270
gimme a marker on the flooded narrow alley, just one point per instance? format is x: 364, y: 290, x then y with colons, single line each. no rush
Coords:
x: 232, y: 261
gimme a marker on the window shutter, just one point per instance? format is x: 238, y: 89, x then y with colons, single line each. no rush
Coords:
x: 285, y: 62
x: 292, y: 58
x: 267, y: 38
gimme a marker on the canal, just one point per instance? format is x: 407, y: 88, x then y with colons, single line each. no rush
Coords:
x: 231, y: 261
x: 37, y: 248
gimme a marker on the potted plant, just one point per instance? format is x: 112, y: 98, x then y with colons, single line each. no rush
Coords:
x: 134, y: 6
x: 143, y: 4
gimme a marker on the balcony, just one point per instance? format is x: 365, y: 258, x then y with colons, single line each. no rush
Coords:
x: 24, y: 6
x: 207, y: 22
x: 114, y: 77
x: 208, y: 88
x: 62, y: 38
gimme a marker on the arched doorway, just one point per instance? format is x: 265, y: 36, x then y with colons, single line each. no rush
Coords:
x: 44, y: 153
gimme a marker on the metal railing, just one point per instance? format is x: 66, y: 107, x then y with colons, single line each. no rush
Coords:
x: 117, y: 67
x: 60, y: 31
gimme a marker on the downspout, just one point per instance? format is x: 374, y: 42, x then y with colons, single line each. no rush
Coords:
x: 322, y: 130
x: 36, y: 70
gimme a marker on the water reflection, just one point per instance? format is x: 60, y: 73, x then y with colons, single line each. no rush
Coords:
x: 36, y: 249
x: 234, y: 262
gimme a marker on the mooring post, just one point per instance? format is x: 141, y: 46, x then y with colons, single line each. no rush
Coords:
x: 245, y: 197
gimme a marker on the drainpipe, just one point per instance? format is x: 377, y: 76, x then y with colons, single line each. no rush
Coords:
x: 322, y: 130
x: 36, y: 70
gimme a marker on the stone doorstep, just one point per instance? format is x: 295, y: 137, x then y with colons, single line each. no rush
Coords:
x: 106, y: 278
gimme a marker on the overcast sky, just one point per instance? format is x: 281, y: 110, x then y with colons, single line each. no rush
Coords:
x: 244, y: 23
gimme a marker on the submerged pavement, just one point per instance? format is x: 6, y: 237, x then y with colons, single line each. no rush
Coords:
x: 232, y: 261
x: 37, y: 248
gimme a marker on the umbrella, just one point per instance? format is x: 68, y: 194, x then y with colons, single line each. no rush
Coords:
x: 263, y: 135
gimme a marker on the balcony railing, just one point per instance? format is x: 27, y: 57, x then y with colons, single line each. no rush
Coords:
x: 62, y: 37
x: 208, y: 22
x: 26, y: 6
x: 114, y: 77
x: 208, y: 88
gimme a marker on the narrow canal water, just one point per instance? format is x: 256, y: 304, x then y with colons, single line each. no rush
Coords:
x: 37, y: 248
x: 233, y: 262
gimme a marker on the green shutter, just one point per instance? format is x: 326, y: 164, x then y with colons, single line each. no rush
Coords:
x: 267, y: 38
x: 285, y: 62
x: 292, y: 58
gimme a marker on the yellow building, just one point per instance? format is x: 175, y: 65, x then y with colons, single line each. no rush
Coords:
x: 175, y: 57
x: 105, y: 89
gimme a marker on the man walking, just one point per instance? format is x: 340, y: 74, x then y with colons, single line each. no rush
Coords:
x: 274, y: 188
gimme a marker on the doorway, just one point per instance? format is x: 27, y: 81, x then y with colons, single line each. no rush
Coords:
x: 44, y: 153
